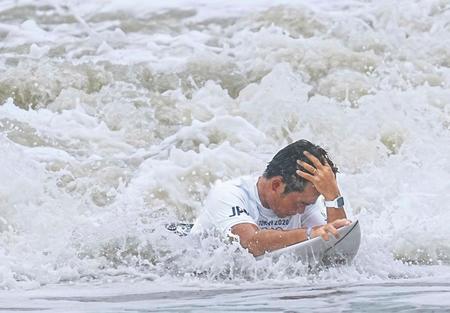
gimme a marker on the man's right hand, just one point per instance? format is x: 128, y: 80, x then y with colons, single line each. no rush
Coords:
x: 330, y: 228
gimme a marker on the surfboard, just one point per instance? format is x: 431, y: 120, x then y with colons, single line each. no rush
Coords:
x: 335, y: 251
x: 316, y: 251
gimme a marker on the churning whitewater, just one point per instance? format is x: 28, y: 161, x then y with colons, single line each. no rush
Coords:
x: 117, y: 117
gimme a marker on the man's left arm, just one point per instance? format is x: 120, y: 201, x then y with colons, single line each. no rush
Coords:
x: 324, y: 179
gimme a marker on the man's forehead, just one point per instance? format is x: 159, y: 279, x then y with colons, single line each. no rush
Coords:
x: 305, y: 196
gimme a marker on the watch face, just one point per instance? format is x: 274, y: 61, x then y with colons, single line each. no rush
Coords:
x: 340, y: 202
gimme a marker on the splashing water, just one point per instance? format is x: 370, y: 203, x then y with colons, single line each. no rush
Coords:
x: 117, y: 117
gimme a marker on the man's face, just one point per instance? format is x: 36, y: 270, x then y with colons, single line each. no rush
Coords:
x: 293, y: 203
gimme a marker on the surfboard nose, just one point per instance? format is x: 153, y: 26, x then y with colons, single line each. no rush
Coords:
x: 346, y: 248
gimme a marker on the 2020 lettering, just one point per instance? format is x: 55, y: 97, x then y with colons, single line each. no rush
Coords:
x: 267, y: 224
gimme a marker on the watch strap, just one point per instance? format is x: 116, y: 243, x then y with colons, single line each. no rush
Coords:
x: 336, y: 203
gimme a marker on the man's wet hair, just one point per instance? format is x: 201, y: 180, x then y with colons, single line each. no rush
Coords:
x: 284, y: 164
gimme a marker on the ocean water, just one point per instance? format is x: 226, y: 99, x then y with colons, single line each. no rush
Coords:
x: 116, y: 117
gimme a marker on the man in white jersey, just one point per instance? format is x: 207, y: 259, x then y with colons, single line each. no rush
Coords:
x: 283, y: 206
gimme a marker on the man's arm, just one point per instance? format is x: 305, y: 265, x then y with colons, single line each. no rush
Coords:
x: 259, y: 241
x: 334, y: 214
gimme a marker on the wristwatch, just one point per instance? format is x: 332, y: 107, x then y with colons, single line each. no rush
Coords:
x: 336, y: 203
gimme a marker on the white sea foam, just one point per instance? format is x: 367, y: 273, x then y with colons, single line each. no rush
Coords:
x: 118, y: 116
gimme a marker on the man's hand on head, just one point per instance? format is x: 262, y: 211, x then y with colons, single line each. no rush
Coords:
x: 321, y: 176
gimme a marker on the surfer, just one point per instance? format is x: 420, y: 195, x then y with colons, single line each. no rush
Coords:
x: 284, y: 206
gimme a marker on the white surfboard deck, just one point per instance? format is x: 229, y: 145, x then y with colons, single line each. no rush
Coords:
x: 320, y: 252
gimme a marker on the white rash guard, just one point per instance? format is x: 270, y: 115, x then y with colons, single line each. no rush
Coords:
x: 237, y: 201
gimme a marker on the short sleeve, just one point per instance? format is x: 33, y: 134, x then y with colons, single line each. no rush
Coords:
x: 227, y: 206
